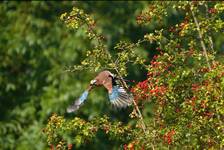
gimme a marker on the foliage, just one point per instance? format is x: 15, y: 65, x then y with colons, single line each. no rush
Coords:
x: 79, y: 131
x: 28, y: 71
x: 186, y: 91
x: 100, y: 58
x: 35, y: 50
x: 185, y: 82
x: 181, y: 98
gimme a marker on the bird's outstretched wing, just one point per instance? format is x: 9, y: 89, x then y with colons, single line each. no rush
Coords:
x: 119, y: 97
x: 77, y: 103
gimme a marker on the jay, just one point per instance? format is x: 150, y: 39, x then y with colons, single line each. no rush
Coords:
x: 117, y: 94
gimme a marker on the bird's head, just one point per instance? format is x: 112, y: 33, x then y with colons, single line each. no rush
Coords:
x: 93, y: 82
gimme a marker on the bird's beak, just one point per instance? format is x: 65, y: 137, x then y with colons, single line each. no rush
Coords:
x: 92, y: 82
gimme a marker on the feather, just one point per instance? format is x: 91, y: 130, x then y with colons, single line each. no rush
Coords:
x: 126, y: 97
x: 119, y: 97
x: 121, y: 90
x: 124, y: 103
x: 77, y: 103
x: 119, y: 103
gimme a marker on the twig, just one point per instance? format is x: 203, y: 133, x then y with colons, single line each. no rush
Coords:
x: 136, y: 106
x: 211, y: 43
x: 200, y: 37
x: 209, y: 37
x: 125, y: 85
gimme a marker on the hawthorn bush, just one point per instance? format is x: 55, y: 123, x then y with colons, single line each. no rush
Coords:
x: 184, y: 85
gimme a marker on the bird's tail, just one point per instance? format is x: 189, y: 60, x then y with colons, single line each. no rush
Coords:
x: 119, y: 97
x: 77, y: 103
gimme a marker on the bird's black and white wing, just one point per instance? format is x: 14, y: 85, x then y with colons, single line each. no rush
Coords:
x: 119, y: 97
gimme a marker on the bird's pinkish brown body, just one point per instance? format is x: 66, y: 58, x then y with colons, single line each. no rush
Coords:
x: 105, y: 78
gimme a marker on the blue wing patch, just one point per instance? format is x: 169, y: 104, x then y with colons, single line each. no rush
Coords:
x: 75, y: 106
x: 83, y: 97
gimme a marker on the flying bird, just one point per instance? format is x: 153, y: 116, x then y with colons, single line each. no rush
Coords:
x: 117, y: 94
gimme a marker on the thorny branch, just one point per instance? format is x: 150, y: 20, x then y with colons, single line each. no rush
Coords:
x: 200, y: 37
x: 136, y: 106
x: 124, y: 85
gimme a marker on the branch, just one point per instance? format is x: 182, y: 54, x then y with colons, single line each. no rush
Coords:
x: 135, y: 104
x: 200, y: 37
x: 124, y: 85
x: 209, y: 37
